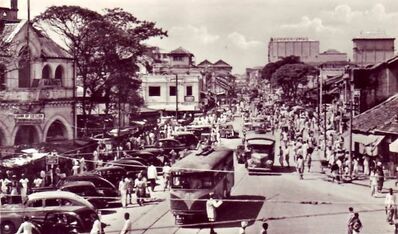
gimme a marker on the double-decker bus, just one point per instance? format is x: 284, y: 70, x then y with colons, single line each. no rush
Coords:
x: 195, y: 176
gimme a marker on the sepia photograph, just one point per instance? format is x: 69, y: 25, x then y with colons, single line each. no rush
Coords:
x: 198, y: 117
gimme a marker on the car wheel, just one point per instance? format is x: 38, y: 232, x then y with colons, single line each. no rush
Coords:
x: 8, y: 227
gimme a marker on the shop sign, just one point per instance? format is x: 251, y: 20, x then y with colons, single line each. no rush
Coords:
x: 29, y: 118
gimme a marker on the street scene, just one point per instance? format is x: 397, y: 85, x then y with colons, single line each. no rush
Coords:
x: 187, y: 117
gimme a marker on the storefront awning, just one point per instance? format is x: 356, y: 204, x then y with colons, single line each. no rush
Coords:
x: 394, y: 146
x: 367, y: 143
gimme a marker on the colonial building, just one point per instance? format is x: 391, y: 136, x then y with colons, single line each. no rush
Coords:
x: 37, y: 85
x: 173, y: 81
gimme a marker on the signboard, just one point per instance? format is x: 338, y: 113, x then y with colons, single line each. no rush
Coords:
x: 29, y: 118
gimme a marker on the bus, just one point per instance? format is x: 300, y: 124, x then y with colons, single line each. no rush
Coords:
x: 195, y: 176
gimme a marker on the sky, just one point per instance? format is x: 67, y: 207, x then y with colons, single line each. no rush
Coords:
x: 238, y: 31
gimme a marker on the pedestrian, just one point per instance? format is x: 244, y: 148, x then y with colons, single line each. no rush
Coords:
x: 82, y: 163
x: 95, y: 159
x: 14, y: 190
x: 24, y: 187
x: 373, y: 183
x: 380, y: 178
x: 211, y: 206
x: 97, y: 225
x: 166, y: 175
x: 264, y: 228
x: 300, y: 166
x: 140, y: 185
x: 281, y: 156
x: 390, y: 205
x: 43, y: 177
x: 173, y: 156
x: 128, y: 225
x: 130, y: 189
x: 286, y: 156
x: 75, y: 167
x: 349, y: 219
x: 356, y: 224
x: 5, y: 183
x: 123, y: 192
x: 308, y: 159
x: 355, y: 168
x: 152, y: 176
x: 26, y: 227
x: 366, y: 169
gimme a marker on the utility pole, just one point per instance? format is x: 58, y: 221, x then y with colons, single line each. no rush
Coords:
x: 176, y: 97
x: 351, y: 119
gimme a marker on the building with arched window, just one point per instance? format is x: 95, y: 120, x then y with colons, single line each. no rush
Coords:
x: 36, y: 87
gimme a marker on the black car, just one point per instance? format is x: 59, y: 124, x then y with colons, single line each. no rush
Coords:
x: 89, y: 191
x: 187, y: 138
x: 114, y: 173
x: 74, y: 220
x: 132, y: 167
x: 102, y: 184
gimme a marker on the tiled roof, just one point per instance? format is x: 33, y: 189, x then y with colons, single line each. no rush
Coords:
x: 204, y: 62
x: 10, y: 30
x: 382, y: 118
x: 221, y: 63
x: 180, y: 50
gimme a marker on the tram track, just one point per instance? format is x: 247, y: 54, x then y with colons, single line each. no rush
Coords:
x: 156, y: 220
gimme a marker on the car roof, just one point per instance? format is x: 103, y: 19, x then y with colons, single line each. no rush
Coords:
x: 183, y: 133
x: 59, y: 194
x: 88, y: 175
x: 110, y: 168
x: 77, y: 183
x: 260, y: 141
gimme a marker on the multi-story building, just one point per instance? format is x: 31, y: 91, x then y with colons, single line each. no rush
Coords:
x: 370, y: 49
x: 37, y: 85
x: 217, y: 77
x: 174, y: 76
x: 280, y: 47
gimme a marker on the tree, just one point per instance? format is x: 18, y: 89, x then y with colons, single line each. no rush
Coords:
x: 290, y: 76
x: 107, y: 48
x: 270, y: 68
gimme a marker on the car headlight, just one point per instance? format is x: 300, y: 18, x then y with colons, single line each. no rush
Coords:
x: 269, y: 162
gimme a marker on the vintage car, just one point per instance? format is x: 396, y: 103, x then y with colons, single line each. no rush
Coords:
x: 187, y: 138
x: 132, y: 166
x: 11, y: 219
x: 113, y: 173
x: 88, y: 191
x: 227, y: 131
x: 68, y: 221
x: 102, y: 184
x: 167, y: 144
x: 56, y: 198
x: 260, y: 153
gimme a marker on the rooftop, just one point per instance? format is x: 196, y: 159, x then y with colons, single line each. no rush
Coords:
x: 381, y: 118
x: 221, y: 63
x: 180, y: 50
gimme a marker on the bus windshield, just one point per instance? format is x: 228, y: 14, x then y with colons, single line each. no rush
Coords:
x: 192, y: 181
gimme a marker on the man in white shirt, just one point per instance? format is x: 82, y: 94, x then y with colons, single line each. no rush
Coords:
x: 166, y: 175
x: 123, y: 192
x: 26, y: 227
x: 152, y: 175
x: 211, y: 206
x: 24, y: 189
x: 128, y: 225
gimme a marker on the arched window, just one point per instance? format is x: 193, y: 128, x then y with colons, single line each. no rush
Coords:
x: 46, y: 72
x: 59, y: 72
x: 23, y: 68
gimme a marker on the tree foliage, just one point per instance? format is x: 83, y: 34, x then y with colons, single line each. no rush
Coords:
x: 107, y: 47
x: 290, y: 76
x: 270, y: 68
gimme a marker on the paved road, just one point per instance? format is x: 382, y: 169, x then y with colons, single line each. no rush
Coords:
x: 280, y: 197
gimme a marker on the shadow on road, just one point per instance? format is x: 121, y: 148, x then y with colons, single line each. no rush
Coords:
x: 230, y: 214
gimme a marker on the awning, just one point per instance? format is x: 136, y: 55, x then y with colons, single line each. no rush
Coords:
x: 394, y: 146
x: 367, y: 143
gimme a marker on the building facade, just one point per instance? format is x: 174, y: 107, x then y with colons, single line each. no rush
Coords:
x: 280, y: 47
x: 37, y: 87
x: 173, y: 77
x: 372, y: 49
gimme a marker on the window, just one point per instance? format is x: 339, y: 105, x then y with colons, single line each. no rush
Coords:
x: 59, y: 72
x: 172, y: 91
x: 154, y: 91
x: 189, y: 91
x: 46, y: 72
x: 177, y: 58
x: 2, y: 77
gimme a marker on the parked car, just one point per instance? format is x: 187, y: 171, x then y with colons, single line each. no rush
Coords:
x: 113, y: 173
x: 11, y: 219
x: 101, y: 183
x: 132, y: 167
x: 72, y: 220
x: 56, y: 198
x: 187, y: 138
x: 89, y: 191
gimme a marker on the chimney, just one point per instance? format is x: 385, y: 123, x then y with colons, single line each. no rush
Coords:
x: 14, y: 4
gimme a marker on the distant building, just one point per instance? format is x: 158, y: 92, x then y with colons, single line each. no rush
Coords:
x: 253, y: 76
x: 280, y: 47
x: 36, y: 94
x: 159, y: 86
x: 217, y: 77
x: 369, y: 49
x: 331, y: 56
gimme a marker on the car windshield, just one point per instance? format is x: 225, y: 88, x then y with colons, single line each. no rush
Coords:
x: 192, y: 181
x: 260, y: 148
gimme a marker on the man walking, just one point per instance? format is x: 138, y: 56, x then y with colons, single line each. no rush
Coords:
x: 24, y: 188
x: 300, y: 166
x: 152, y: 175
x: 349, y: 220
x: 127, y: 227
x: 123, y: 192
